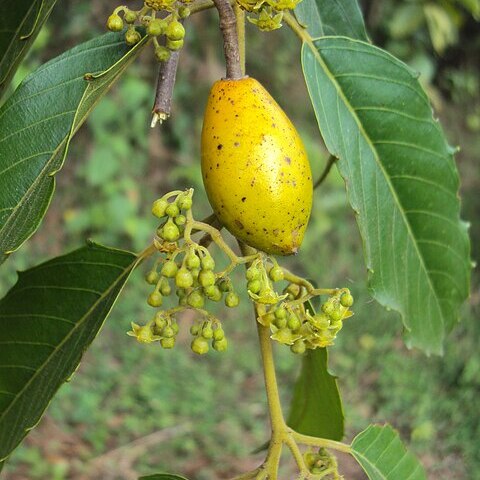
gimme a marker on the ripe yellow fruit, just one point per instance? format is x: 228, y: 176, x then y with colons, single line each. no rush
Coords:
x: 254, y: 166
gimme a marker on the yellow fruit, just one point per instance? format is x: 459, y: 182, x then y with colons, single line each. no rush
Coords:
x: 255, y: 169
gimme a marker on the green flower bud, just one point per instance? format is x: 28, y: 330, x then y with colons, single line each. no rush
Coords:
x: 253, y: 273
x: 167, y: 342
x: 199, y: 346
x: 336, y: 315
x: 206, y: 278
x: 160, y: 321
x: 218, y: 334
x: 115, y: 23
x: 155, y: 299
x: 293, y: 322
x: 298, y: 347
x: 162, y: 54
x: 183, y: 278
x: 151, y: 277
x: 172, y: 210
x: 175, y: 328
x: 293, y: 290
x: 170, y: 231
x: 169, y: 269
x: 174, y: 45
x: 175, y: 31
x: 276, y: 274
x: 280, y: 312
x: 183, y: 12
x: 195, y: 329
x: 132, y: 37
x: 130, y: 16
x: 232, y: 299
x: 225, y: 284
x: 220, y: 345
x: 207, y: 332
x: 328, y: 307
x: 208, y: 263
x: 158, y: 207
x: 213, y: 293
x: 254, y: 286
x: 195, y: 299
x: 192, y: 260
x: 346, y: 300
x: 165, y: 288
x: 155, y: 28
x: 180, y: 220
x: 168, y: 332
x: 185, y: 202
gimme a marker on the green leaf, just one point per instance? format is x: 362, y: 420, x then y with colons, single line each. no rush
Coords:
x: 37, y: 123
x: 316, y: 407
x: 20, y: 22
x: 47, y: 320
x: 401, y: 181
x: 162, y: 476
x: 332, y: 17
x: 383, y: 456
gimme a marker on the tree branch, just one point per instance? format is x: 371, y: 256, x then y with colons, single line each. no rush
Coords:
x: 165, y: 83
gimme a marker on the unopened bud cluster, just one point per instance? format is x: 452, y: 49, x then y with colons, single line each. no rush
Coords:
x: 184, y: 270
x: 269, y: 13
x: 291, y: 321
x: 322, y: 463
x: 161, y: 19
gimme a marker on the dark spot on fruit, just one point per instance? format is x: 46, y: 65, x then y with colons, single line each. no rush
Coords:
x: 219, y: 146
x: 239, y: 224
x: 288, y: 160
x: 244, y: 198
x: 236, y: 144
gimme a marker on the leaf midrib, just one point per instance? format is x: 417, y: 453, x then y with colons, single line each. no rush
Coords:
x: 332, y: 78
x: 78, y: 324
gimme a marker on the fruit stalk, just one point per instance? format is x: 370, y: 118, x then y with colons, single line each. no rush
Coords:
x: 228, y: 26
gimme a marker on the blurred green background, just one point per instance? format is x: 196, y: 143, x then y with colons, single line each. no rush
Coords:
x: 133, y: 410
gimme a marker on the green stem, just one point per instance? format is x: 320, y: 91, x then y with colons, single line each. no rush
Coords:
x: 301, y: 33
x: 275, y: 409
x: 331, y: 160
x: 320, y: 442
x: 240, y: 16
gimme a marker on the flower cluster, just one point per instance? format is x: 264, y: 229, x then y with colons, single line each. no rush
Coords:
x: 289, y: 315
x: 269, y: 13
x: 167, y: 26
x: 186, y: 270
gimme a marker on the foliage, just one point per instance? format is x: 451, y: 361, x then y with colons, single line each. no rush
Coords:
x: 42, y: 340
x: 41, y: 157
x: 382, y: 455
